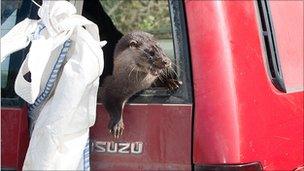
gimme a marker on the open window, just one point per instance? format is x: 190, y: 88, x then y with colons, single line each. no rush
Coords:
x: 165, y: 20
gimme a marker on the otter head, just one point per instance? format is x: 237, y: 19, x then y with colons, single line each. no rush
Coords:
x: 146, y: 53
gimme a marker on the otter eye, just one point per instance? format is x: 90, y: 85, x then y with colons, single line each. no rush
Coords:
x: 133, y: 43
x: 151, y: 53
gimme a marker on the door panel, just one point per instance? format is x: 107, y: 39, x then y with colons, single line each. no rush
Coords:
x: 14, y: 137
x: 164, y: 131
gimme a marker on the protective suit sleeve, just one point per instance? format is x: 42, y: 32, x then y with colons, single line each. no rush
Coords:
x: 17, y: 38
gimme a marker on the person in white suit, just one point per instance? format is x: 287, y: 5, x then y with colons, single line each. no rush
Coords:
x: 65, y: 61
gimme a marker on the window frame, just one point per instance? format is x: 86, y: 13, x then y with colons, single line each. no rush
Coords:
x: 181, y: 51
x: 270, y: 45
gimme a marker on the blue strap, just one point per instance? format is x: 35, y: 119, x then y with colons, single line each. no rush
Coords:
x: 52, y: 78
x: 86, y: 156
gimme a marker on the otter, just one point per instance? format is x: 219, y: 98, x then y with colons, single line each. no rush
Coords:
x: 138, y: 62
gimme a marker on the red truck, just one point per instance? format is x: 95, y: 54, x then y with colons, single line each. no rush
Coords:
x: 240, y: 106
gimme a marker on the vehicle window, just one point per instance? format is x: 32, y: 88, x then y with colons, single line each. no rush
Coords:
x: 149, y: 16
x: 282, y: 27
x: 157, y: 18
x: 8, y: 7
x: 164, y: 19
x: 11, y: 13
x: 8, y: 20
x: 287, y: 20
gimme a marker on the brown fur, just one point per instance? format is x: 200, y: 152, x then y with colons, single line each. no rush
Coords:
x: 138, y: 61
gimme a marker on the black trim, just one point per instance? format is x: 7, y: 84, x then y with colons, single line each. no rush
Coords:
x: 270, y: 45
x: 181, y: 46
x: 190, y: 75
x: 255, y: 166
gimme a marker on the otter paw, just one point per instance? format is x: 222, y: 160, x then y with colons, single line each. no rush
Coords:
x: 173, y: 84
x: 117, y: 129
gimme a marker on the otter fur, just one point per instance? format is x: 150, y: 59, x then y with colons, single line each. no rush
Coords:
x: 138, y: 62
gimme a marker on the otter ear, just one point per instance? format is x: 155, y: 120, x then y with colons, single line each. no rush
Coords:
x: 133, y: 44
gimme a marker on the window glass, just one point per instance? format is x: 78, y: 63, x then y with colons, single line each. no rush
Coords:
x: 9, y: 22
x: 8, y: 7
x: 12, y: 12
x: 149, y: 16
x: 287, y: 20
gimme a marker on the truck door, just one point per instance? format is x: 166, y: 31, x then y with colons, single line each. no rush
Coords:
x: 158, y: 130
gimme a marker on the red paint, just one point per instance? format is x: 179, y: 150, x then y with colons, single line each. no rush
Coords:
x: 164, y: 130
x: 239, y: 115
x: 14, y: 137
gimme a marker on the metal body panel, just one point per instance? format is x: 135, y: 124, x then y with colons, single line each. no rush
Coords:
x: 165, y: 132
x: 14, y: 137
x: 239, y: 115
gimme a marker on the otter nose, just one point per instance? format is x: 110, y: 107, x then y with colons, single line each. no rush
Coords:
x: 166, y: 62
x: 162, y: 63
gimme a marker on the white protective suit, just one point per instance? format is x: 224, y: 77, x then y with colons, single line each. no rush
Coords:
x: 60, y: 135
